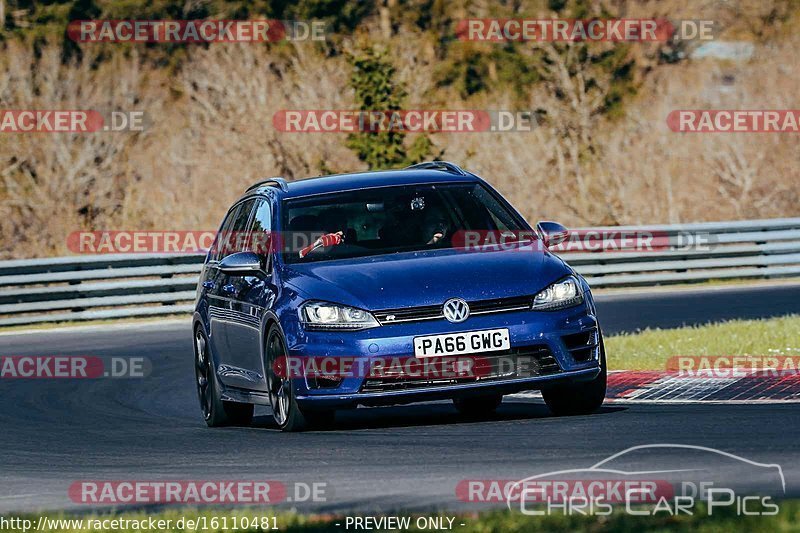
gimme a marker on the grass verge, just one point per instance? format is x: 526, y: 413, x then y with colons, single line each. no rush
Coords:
x: 650, y: 349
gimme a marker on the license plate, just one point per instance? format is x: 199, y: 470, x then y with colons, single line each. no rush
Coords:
x: 490, y: 340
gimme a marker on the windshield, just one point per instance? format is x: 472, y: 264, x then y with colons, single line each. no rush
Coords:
x: 390, y: 220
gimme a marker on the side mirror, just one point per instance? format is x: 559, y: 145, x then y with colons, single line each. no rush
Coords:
x: 551, y: 233
x: 241, y: 263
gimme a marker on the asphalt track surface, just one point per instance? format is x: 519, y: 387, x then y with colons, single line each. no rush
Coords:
x: 406, y: 457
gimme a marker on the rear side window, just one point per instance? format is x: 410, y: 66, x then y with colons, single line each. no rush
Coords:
x: 232, y: 236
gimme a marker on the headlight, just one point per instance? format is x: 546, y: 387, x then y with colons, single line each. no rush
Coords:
x: 323, y: 315
x: 563, y: 294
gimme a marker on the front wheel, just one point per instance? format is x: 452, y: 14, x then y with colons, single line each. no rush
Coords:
x: 579, y: 398
x: 215, y: 411
x: 285, y: 410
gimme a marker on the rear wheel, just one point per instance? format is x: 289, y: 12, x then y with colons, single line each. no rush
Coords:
x: 285, y: 410
x: 579, y: 398
x: 478, y: 405
x: 215, y: 411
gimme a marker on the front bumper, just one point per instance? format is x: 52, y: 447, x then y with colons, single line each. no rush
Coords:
x: 553, y: 330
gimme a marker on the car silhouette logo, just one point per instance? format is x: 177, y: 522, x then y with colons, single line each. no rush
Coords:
x: 609, y: 467
x: 455, y: 310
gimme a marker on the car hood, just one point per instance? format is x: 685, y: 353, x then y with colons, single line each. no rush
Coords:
x: 426, y: 278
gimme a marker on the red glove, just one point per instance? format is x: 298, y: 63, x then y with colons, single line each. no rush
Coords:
x: 329, y: 239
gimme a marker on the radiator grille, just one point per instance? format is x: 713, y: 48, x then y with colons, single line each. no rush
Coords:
x: 434, y: 312
x: 529, y: 361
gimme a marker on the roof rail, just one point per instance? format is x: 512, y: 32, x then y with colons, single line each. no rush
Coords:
x: 445, y: 166
x: 270, y: 182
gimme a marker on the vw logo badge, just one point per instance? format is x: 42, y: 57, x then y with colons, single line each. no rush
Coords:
x: 455, y: 310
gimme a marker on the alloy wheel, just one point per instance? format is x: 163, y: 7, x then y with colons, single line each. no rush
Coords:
x: 203, y: 374
x: 279, y: 386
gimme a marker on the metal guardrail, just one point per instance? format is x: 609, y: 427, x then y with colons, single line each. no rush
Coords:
x: 97, y: 287
x: 136, y: 285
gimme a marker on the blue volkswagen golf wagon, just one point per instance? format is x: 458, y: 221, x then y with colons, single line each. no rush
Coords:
x: 388, y: 287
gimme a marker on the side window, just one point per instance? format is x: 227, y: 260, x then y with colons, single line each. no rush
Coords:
x: 260, y: 237
x: 232, y: 234
x: 239, y: 234
x: 220, y: 242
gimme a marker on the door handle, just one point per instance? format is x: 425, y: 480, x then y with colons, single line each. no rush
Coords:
x: 230, y: 289
x: 208, y: 284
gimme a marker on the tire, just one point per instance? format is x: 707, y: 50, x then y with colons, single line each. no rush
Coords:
x: 478, y: 405
x: 579, y: 398
x: 285, y: 410
x: 216, y: 413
